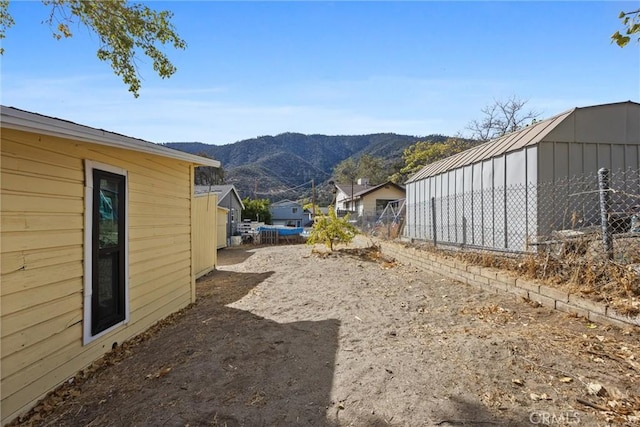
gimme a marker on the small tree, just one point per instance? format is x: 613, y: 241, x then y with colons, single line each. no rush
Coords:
x: 256, y: 210
x: 330, y: 229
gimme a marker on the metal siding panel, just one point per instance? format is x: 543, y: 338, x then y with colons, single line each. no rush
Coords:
x: 604, y: 123
x: 487, y: 203
x: 468, y: 205
x: 459, y: 206
x: 516, y: 215
x: 561, y: 161
x: 631, y: 157
x: 444, y: 208
x: 617, y: 157
x: 413, y: 201
x: 439, y: 194
x: 478, y: 212
x: 532, y: 199
x: 576, y: 159
x: 421, y: 194
x: 633, y: 124
x: 499, y: 202
x: 590, y: 158
x: 516, y: 168
x: 545, y: 162
x: 424, y: 209
x: 418, y: 208
x: 433, y: 191
x: 618, y: 181
x: 532, y: 165
x: 451, y: 205
x: 409, y: 229
x: 604, y: 156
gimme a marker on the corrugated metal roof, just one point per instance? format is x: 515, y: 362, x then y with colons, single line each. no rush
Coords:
x: 513, y: 141
x: 14, y: 118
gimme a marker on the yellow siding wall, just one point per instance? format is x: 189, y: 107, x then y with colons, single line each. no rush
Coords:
x: 222, y: 227
x: 389, y: 193
x: 42, y: 221
x: 205, y: 229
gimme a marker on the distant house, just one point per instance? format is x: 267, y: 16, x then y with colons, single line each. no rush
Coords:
x: 364, y: 200
x: 229, y: 199
x: 288, y: 213
x: 99, y: 241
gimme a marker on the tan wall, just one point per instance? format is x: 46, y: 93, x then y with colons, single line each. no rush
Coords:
x: 205, y: 227
x: 42, y: 221
x: 390, y: 193
x: 222, y: 228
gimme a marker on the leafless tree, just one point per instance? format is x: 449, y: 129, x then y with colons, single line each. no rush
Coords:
x: 502, y: 117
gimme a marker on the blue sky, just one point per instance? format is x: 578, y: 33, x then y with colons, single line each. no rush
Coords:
x: 335, y: 68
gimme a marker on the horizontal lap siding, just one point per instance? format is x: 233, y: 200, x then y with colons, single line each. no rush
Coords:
x: 205, y: 210
x: 42, y: 257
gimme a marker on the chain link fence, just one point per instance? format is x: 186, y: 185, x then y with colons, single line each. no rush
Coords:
x: 596, y: 213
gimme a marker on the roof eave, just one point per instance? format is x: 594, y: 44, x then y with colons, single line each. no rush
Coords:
x: 12, y: 118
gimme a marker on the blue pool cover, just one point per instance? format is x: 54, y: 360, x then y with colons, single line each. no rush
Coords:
x: 282, y: 231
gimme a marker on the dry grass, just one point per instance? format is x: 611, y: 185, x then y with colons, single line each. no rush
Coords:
x: 577, y: 267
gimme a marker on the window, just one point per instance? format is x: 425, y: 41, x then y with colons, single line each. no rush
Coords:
x: 106, y: 299
x: 294, y: 210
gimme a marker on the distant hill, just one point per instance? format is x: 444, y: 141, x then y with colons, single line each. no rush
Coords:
x: 281, y: 167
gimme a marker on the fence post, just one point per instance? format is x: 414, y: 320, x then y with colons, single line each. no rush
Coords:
x: 605, y: 208
x: 433, y: 219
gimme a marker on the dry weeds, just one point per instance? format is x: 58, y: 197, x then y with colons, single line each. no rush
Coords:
x: 576, y: 268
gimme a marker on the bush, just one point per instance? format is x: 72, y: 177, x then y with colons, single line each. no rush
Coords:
x: 330, y: 229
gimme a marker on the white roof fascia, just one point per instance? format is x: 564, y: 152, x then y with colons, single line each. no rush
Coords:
x: 233, y: 188
x: 12, y: 118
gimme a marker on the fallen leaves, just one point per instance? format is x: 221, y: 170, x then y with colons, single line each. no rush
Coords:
x: 161, y: 373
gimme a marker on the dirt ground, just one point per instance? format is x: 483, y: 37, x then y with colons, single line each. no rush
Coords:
x: 281, y: 336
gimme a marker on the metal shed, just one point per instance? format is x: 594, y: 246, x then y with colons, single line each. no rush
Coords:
x: 506, y: 193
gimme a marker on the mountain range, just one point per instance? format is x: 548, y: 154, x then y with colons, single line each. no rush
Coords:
x: 283, y: 166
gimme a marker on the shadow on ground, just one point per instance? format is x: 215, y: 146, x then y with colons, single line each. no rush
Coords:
x: 234, y: 255
x: 216, y: 366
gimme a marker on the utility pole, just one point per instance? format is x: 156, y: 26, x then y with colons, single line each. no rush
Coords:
x: 255, y: 190
x: 351, y: 200
x: 313, y: 199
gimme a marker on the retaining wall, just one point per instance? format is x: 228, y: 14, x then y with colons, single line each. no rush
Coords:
x: 500, y: 281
